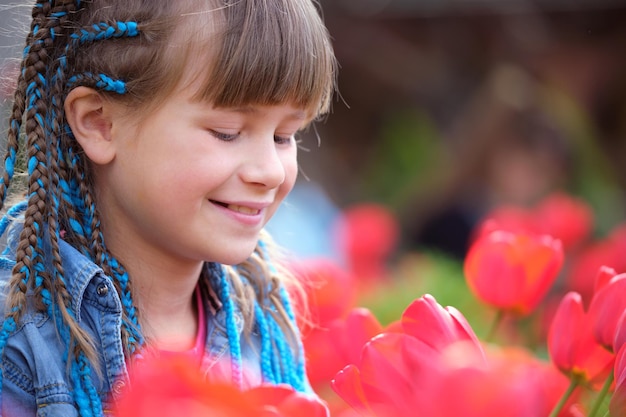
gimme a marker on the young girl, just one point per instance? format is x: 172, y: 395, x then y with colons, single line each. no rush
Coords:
x: 158, y: 140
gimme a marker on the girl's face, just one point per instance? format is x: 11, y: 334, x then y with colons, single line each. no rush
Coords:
x: 196, y: 183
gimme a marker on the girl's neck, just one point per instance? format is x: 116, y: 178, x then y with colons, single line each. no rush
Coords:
x: 164, y: 295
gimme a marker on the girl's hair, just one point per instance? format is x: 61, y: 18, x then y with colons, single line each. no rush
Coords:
x: 136, y: 52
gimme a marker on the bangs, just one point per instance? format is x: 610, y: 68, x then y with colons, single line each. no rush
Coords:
x: 271, y: 52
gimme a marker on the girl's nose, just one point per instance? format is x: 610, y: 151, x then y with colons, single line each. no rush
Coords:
x: 264, y: 164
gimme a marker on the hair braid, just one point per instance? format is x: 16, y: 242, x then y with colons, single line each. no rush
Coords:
x: 15, y: 123
x: 43, y: 127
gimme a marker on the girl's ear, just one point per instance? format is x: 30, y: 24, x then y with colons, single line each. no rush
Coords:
x: 90, y: 118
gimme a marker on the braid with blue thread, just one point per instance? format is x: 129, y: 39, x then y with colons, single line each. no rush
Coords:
x: 281, y: 355
x: 52, y: 190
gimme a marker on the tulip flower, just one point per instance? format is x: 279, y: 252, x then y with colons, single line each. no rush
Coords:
x: 389, y: 377
x: 560, y: 215
x: 487, y: 391
x: 565, y: 217
x: 169, y: 387
x: 513, y: 272
x: 583, y: 270
x: 510, y: 218
x: 337, y: 344
x: 367, y: 234
x: 572, y: 345
x: 607, y: 307
x: 331, y: 289
x: 437, y: 368
x: 436, y: 326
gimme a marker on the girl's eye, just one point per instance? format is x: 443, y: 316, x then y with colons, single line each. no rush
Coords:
x: 226, y: 137
x: 282, y: 140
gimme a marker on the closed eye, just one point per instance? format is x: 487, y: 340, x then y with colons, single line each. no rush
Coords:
x: 226, y: 137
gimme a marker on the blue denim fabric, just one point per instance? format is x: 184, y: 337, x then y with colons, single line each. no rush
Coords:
x: 35, y: 378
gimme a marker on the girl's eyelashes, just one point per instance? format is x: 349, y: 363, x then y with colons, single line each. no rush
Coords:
x: 226, y: 137
x: 282, y: 140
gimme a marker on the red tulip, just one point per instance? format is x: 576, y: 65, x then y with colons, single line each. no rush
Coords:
x: 338, y: 344
x: 513, y: 272
x: 437, y: 368
x: 560, y: 215
x: 175, y: 387
x: 583, y: 270
x: 565, y: 217
x: 572, y: 345
x: 606, y: 252
x: 488, y: 391
x: 399, y: 376
x: 390, y: 377
x: 331, y: 290
x: 607, y: 307
x: 436, y: 326
x: 512, y: 219
x: 367, y: 234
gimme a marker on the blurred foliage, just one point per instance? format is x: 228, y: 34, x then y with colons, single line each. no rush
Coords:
x: 407, y: 159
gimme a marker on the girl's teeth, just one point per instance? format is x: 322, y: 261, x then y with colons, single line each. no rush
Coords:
x: 243, y: 209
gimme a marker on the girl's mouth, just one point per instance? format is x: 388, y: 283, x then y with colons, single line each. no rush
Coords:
x: 239, y: 209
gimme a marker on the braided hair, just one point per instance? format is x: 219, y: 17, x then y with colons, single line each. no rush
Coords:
x: 120, y: 48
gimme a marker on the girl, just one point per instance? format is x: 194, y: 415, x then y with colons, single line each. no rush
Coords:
x: 158, y: 139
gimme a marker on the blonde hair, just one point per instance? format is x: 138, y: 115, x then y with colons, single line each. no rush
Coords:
x: 136, y: 52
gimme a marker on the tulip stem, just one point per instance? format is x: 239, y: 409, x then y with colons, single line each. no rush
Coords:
x: 494, y: 326
x: 601, y: 395
x: 559, y: 406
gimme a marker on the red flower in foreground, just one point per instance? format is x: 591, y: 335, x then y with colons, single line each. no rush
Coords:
x: 513, y: 272
x: 436, y: 368
x: 437, y: 326
x: 174, y: 387
x: 331, y: 347
x: 572, y: 345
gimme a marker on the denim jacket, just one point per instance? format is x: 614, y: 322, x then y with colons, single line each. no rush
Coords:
x: 35, y: 378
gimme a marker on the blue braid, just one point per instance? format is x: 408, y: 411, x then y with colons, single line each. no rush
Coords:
x: 102, y: 31
x: 134, y: 331
x: 292, y: 370
x: 231, y: 330
x: 300, y: 366
x: 102, y: 81
x: 268, y: 369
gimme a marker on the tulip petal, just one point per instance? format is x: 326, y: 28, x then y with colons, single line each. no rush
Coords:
x: 347, y: 384
x: 606, y: 308
x: 436, y: 326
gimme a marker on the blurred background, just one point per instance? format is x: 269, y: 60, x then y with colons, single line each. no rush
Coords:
x: 448, y: 108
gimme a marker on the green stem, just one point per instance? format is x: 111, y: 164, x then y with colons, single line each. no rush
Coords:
x: 559, y: 406
x: 494, y: 326
x: 601, y: 395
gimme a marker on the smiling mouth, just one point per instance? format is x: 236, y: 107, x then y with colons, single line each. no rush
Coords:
x: 239, y: 209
